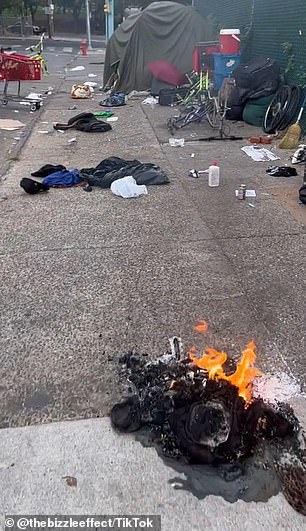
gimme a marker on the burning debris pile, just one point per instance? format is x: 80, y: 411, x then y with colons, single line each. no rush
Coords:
x: 195, y: 411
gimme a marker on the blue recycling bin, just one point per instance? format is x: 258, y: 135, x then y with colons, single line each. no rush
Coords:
x: 224, y: 65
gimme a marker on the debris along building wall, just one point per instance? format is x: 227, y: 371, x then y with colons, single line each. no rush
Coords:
x: 269, y: 28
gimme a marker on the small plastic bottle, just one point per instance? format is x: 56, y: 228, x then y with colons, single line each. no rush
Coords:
x: 214, y: 174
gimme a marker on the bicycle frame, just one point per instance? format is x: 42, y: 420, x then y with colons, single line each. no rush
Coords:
x: 37, y: 54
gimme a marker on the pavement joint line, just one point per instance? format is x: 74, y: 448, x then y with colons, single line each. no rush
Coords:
x: 147, y: 244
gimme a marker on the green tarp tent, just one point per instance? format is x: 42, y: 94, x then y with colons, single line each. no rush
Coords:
x: 164, y: 30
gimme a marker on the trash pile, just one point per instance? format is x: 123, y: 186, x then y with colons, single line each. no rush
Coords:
x: 131, y: 177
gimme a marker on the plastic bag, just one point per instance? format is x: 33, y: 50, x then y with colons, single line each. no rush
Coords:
x: 127, y: 187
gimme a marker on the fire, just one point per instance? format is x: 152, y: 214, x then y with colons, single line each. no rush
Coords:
x: 213, y: 361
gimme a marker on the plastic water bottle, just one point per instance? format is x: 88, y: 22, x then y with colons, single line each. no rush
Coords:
x: 214, y: 174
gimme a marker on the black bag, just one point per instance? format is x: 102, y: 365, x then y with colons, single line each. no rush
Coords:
x: 170, y: 96
x: 236, y: 104
x: 157, y: 86
x: 261, y: 77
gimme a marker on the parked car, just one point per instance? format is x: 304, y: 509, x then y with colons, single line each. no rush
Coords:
x: 27, y: 28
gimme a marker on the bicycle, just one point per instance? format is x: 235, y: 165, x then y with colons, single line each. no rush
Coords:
x: 37, y: 54
x: 212, y: 108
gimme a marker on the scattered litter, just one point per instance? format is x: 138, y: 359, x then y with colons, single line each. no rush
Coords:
x: 34, y: 96
x: 72, y: 108
x: 176, y: 142
x: 260, y: 139
x: 137, y: 94
x: 150, y: 100
x: 10, y: 125
x: 103, y: 114
x: 60, y: 131
x: 299, y: 155
x: 259, y: 154
x: 176, y: 345
x: 127, y: 187
x: 71, y: 481
x: 71, y: 140
x: 196, y: 173
x: 251, y: 205
x: 248, y: 193
x: 16, y: 111
x: 44, y: 122
x: 77, y: 68
x: 281, y: 171
x: 81, y: 92
x: 92, y: 75
x: 43, y: 132
x: 192, y: 155
x: 90, y: 84
x: 17, y: 138
x: 116, y: 100
x: 112, y: 119
x: 264, y: 193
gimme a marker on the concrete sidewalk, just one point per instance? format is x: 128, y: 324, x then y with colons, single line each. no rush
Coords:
x: 116, y: 475
x: 88, y: 275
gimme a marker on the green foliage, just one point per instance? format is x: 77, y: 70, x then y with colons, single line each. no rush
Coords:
x: 299, y: 72
x: 13, y: 7
x: 75, y: 6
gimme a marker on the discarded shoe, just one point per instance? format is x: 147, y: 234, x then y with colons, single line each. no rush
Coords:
x: 33, y: 187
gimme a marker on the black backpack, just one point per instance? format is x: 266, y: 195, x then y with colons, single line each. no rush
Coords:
x: 260, y: 78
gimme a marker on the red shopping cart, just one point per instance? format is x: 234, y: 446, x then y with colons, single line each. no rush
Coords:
x: 17, y: 68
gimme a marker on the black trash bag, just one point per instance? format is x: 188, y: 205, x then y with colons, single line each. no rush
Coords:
x: 281, y: 171
x: 114, y: 168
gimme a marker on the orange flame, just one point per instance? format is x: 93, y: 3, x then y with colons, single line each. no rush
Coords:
x: 212, y: 361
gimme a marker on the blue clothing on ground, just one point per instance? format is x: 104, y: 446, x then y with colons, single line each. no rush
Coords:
x: 63, y: 178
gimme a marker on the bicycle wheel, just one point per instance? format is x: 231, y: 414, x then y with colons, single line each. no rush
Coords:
x: 212, y: 113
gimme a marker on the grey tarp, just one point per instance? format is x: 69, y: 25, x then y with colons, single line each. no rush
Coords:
x: 164, y: 30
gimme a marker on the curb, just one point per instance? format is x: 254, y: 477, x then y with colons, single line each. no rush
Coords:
x: 16, y: 150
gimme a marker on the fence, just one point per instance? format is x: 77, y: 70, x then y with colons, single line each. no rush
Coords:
x: 270, y: 28
x: 16, y: 26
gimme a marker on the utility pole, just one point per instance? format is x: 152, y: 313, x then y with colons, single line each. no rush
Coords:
x: 49, y: 12
x: 88, y: 16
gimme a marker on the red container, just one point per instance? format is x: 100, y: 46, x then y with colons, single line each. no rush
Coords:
x: 230, y: 41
